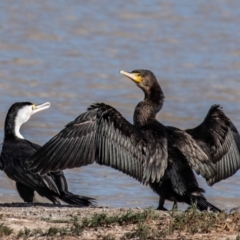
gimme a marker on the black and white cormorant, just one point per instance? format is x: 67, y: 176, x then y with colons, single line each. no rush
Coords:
x: 51, y: 187
x: 150, y: 152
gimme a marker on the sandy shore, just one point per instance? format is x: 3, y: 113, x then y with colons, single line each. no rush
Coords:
x: 42, y: 221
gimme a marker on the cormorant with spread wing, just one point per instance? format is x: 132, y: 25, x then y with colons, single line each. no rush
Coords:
x: 150, y: 152
x: 13, y: 161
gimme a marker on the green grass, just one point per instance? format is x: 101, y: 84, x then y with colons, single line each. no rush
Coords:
x: 52, y: 231
x: 50, y: 220
x: 5, y: 230
x: 108, y: 237
x: 130, y: 217
x: 24, y: 233
x: 103, y: 220
x: 193, y: 221
x: 141, y: 232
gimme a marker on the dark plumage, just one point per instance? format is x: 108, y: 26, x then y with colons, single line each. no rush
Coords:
x: 15, y: 153
x: 152, y: 153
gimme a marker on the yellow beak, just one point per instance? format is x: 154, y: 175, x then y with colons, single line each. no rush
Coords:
x: 133, y: 76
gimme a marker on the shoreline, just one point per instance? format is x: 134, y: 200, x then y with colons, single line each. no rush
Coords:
x: 47, y: 221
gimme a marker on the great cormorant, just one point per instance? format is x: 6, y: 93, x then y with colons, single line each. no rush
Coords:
x: 13, y: 160
x: 150, y: 152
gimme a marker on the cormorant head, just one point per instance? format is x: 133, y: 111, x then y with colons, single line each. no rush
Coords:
x: 20, y: 113
x: 144, y: 79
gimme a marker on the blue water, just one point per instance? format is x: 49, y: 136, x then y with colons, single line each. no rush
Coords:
x: 70, y: 53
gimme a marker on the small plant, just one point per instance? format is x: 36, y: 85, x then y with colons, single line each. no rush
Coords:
x: 108, y: 237
x: 24, y: 233
x: 76, y: 228
x: 63, y: 231
x: 141, y: 232
x: 52, y: 231
x: 37, y: 231
x: 20, y: 234
x: 50, y: 220
x: 5, y: 230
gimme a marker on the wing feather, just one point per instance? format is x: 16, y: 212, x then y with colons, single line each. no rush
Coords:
x: 101, y: 134
x: 219, y: 139
x: 229, y: 164
x: 193, y: 153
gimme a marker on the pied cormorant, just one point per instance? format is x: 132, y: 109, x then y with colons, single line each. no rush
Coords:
x: 16, y: 151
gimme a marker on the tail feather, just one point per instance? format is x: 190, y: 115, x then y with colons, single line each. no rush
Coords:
x: 204, y: 205
x: 82, y: 201
x: 50, y: 195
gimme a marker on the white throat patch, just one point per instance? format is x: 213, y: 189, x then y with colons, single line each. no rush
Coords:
x: 23, y: 116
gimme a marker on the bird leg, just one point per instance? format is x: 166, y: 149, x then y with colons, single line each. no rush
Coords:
x: 175, y: 206
x: 161, y: 203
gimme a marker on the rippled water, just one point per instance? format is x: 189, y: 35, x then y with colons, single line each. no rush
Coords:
x: 70, y: 53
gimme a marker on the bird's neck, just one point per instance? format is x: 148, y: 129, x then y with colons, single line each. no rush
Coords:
x: 146, y: 111
x: 12, y: 127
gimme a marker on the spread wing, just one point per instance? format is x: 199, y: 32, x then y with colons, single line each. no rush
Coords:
x: 219, y: 139
x: 229, y: 163
x: 193, y: 153
x: 101, y: 134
